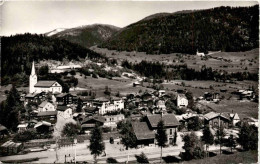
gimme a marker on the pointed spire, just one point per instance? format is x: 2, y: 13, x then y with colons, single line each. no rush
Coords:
x: 33, y: 69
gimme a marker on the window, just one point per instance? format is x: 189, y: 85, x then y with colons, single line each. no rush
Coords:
x: 170, y: 131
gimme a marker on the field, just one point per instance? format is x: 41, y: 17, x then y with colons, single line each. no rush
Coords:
x: 229, y: 61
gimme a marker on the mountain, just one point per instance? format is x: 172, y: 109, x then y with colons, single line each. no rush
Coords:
x: 86, y: 36
x: 19, y: 51
x: 53, y: 32
x: 222, y: 28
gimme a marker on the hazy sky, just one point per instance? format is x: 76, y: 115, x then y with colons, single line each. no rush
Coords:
x: 44, y: 16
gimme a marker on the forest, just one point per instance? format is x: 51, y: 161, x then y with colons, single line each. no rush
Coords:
x: 19, y: 51
x: 222, y: 28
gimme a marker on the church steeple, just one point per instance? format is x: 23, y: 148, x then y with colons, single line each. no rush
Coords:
x: 33, y: 69
x: 32, y: 80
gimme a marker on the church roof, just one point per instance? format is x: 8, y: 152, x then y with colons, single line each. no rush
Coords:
x: 44, y: 83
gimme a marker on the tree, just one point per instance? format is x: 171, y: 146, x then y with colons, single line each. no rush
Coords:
x: 107, y: 90
x: 141, y: 158
x: 128, y: 136
x: 192, y: 146
x: 97, y: 145
x: 70, y: 130
x: 161, y: 136
x: 44, y: 70
x: 207, y: 137
x: 194, y: 123
x: 231, y: 142
x: 111, y: 160
x: 248, y: 137
x: 79, y: 106
x: 175, y: 137
x: 220, y: 135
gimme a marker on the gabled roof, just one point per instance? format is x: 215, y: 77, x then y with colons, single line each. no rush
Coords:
x: 43, y: 123
x: 212, y: 115
x: 62, y: 108
x: 182, y: 96
x: 142, y: 131
x: 43, y: 104
x: 96, y: 118
x: 44, y: 83
x: 31, y: 95
x: 47, y: 113
x: 168, y: 119
x: 2, y: 128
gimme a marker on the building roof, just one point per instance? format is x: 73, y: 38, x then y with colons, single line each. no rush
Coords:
x: 11, y: 144
x: 142, y: 131
x: 102, y: 99
x: 2, y: 128
x: 90, y: 109
x: 88, y: 125
x: 62, y: 108
x: 182, y: 96
x: 43, y: 104
x: 212, y: 115
x: 46, y: 83
x: 42, y: 123
x: 22, y: 125
x: 47, y: 113
x: 31, y: 95
x: 168, y: 119
x: 96, y: 118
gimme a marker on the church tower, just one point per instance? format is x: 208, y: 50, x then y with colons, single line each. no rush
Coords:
x: 33, y: 79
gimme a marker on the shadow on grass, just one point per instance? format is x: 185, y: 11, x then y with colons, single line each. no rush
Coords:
x: 212, y: 154
x: 171, y: 159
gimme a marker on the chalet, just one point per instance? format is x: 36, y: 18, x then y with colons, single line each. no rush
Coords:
x: 144, y: 135
x: 66, y: 98
x: 90, y: 110
x: 136, y: 84
x: 43, y: 127
x: 10, y: 148
x: 46, y: 106
x: 22, y: 127
x: 3, y: 131
x: 89, y: 123
x: 49, y: 116
x: 33, y: 98
x: 64, y: 111
x: 161, y: 92
x: 160, y: 104
x: 111, y: 121
x: 170, y: 122
x: 182, y: 101
x: 217, y: 119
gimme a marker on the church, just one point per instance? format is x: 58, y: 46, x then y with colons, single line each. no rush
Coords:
x: 42, y: 86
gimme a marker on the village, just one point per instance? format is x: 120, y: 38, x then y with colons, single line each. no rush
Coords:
x: 42, y: 129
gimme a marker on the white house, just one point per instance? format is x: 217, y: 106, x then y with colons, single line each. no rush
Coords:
x: 104, y: 105
x: 111, y: 121
x: 42, y: 86
x: 161, y: 92
x: 160, y: 104
x: 200, y: 53
x: 182, y: 101
x: 64, y: 111
x: 234, y: 118
x: 46, y: 106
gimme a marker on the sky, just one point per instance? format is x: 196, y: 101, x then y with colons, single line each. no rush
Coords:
x: 17, y: 17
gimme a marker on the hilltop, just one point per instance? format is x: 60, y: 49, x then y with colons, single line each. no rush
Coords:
x: 86, y: 36
x: 222, y: 28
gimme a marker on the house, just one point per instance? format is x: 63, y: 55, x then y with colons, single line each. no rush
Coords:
x: 246, y: 94
x: 144, y: 135
x: 10, y: 148
x: 146, y: 96
x: 46, y: 106
x: 216, y: 120
x: 200, y: 53
x: 42, y: 86
x: 66, y: 98
x: 161, y: 92
x: 234, y: 118
x: 182, y: 101
x: 160, y: 104
x: 49, y: 116
x: 64, y: 111
x: 111, y: 121
x: 136, y: 84
x: 105, y: 105
x: 33, y: 98
x: 43, y: 127
x: 89, y: 123
x: 22, y: 127
x: 170, y: 122
x: 3, y: 131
